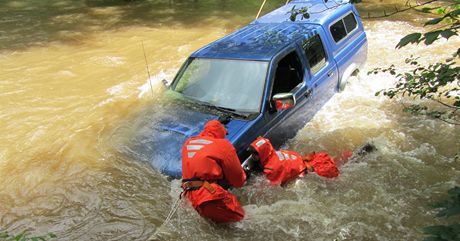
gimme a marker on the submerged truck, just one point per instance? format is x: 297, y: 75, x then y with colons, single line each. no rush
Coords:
x: 268, y: 78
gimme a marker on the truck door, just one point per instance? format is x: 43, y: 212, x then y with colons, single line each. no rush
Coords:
x: 319, y: 80
x: 287, y: 76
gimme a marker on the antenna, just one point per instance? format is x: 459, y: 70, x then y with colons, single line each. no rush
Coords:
x: 147, y: 66
x: 260, y: 9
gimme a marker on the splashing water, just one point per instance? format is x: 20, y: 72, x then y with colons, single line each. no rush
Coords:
x: 66, y: 95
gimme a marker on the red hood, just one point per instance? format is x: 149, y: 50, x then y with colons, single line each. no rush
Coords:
x: 214, y: 129
x: 263, y: 147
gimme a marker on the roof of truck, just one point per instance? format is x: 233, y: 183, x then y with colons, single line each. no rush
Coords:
x: 256, y: 41
x: 265, y: 37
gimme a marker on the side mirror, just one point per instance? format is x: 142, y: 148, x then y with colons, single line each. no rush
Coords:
x: 284, y: 101
x: 165, y: 83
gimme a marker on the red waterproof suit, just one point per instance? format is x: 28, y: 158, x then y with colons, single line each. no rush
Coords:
x: 279, y: 166
x: 210, y: 157
x: 282, y: 166
x: 323, y: 164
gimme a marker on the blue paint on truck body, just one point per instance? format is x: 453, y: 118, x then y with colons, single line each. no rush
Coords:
x: 320, y: 53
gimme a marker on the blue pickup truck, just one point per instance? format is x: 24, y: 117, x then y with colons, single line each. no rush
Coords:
x: 269, y: 77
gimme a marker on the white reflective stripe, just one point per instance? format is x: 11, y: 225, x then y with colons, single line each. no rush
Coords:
x: 260, y: 143
x: 194, y: 147
x: 280, y: 155
x: 191, y: 154
x: 286, y: 156
x: 200, y: 141
x: 293, y: 157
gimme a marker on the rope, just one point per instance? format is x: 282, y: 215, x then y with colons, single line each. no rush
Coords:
x: 171, y: 213
x: 260, y: 9
x: 173, y: 210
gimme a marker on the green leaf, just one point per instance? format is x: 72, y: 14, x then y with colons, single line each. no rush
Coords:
x: 411, y: 38
x: 448, y: 33
x: 436, y: 230
x: 441, y: 10
x: 4, y: 235
x: 426, y: 10
x: 20, y: 237
x: 430, y: 37
x: 445, y: 232
x: 453, y: 14
x: 433, y: 238
x: 434, y: 21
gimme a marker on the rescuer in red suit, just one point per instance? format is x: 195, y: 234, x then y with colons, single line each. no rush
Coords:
x: 282, y: 166
x: 207, y: 159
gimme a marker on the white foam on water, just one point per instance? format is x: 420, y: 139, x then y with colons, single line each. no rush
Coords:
x: 155, y: 80
x: 356, y: 107
x: 109, y: 61
x: 184, y: 49
x: 116, y: 89
x: 117, y: 92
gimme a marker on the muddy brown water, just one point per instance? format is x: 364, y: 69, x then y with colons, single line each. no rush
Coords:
x: 72, y: 75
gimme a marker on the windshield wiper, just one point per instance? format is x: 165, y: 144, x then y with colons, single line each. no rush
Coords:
x: 227, y: 110
x: 231, y: 111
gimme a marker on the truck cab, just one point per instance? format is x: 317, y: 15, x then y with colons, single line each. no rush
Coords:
x: 269, y: 77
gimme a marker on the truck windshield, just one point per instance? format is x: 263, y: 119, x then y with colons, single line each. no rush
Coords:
x: 232, y: 84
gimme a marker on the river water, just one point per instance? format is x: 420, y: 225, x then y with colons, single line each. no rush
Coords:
x: 72, y: 75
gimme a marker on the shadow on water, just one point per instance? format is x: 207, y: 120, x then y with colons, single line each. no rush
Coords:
x: 31, y: 23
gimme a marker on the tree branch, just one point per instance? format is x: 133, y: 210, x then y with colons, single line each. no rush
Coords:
x: 444, y: 104
x: 449, y: 122
x: 402, y: 10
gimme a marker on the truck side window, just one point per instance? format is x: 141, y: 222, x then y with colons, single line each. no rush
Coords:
x: 350, y: 22
x: 288, y: 74
x: 338, y: 31
x: 314, y: 50
x: 344, y: 26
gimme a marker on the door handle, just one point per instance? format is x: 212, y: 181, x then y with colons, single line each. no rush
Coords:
x: 308, y: 93
x: 330, y: 74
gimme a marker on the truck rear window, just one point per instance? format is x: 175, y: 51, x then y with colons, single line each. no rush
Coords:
x: 343, y: 27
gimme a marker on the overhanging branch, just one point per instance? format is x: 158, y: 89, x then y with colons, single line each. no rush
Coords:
x: 400, y: 10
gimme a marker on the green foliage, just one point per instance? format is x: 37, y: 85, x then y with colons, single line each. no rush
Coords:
x: 448, y: 208
x: 442, y: 232
x: 440, y: 81
x: 302, y: 11
x: 450, y: 17
x: 25, y: 236
x: 451, y: 206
